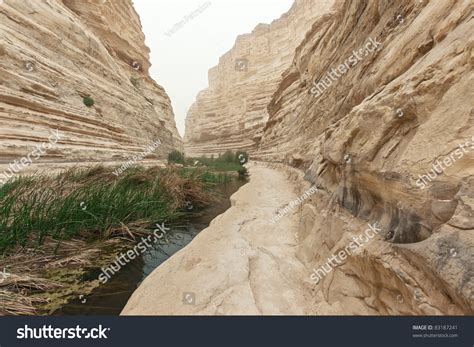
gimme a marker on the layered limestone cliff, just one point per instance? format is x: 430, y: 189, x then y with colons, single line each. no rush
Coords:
x: 386, y: 130
x: 376, y: 111
x: 55, y: 53
x: 231, y: 112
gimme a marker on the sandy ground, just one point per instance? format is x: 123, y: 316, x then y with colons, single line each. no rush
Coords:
x: 241, y: 264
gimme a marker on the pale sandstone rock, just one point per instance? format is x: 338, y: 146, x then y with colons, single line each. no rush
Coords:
x: 367, y: 139
x: 52, y: 54
x: 231, y: 113
x: 240, y: 264
x: 363, y: 142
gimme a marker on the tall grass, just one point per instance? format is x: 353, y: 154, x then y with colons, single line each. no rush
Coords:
x: 90, y: 203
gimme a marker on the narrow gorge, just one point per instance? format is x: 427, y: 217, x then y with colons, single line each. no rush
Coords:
x: 351, y: 116
x: 231, y: 113
x: 372, y: 98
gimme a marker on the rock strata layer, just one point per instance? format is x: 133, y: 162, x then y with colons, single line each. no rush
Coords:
x: 53, y: 54
x: 231, y: 113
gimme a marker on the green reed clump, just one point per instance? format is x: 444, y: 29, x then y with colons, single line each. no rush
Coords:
x: 88, y: 203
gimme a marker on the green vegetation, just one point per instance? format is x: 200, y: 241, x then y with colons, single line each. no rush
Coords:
x: 88, y: 101
x: 94, y: 203
x: 135, y: 81
x: 210, y: 177
x: 176, y: 157
x: 243, y: 172
x: 228, y: 161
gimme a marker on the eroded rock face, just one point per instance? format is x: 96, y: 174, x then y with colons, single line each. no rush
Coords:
x: 55, y: 53
x: 368, y: 132
x: 232, y: 112
x: 377, y: 112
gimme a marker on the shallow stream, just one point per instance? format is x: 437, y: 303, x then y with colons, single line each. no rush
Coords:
x: 111, y: 297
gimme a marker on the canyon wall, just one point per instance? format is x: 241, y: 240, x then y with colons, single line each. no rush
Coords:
x: 53, y: 54
x: 231, y: 113
x: 377, y: 110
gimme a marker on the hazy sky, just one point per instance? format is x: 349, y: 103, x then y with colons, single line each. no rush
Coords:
x: 181, y: 59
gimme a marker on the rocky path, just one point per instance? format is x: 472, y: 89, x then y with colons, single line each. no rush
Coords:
x: 241, y: 264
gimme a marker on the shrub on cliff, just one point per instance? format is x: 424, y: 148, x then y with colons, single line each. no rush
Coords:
x: 135, y: 81
x: 88, y: 101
